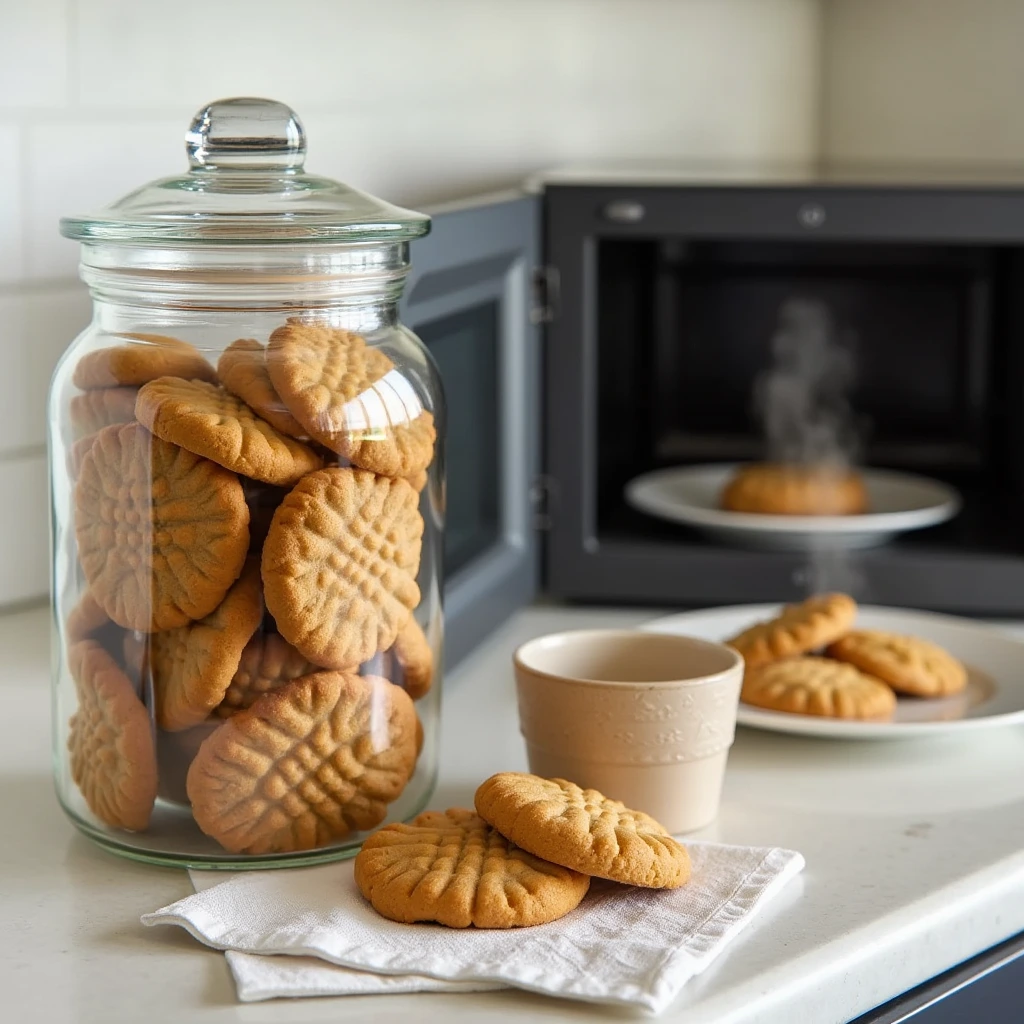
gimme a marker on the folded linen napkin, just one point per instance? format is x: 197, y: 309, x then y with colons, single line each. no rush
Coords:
x: 621, y: 945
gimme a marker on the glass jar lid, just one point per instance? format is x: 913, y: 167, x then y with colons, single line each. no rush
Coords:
x: 246, y: 184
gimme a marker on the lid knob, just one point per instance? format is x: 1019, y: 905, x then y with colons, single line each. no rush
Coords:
x: 246, y: 133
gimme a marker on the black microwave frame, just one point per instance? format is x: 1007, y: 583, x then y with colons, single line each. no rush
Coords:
x: 584, y: 564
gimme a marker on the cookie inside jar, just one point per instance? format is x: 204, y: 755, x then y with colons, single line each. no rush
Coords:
x: 248, y: 525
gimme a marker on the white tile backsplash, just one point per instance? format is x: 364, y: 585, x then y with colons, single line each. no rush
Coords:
x: 79, y: 167
x: 25, y: 527
x: 34, y: 69
x: 38, y: 325
x: 11, y: 202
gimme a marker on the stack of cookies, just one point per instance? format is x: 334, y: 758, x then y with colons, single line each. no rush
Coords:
x: 810, y: 660
x: 250, y: 542
x: 524, y: 857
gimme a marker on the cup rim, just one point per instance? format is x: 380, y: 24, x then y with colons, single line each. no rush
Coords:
x: 580, y: 634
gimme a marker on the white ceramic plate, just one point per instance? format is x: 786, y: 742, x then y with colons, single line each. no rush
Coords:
x: 994, y: 695
x: 691, y: 494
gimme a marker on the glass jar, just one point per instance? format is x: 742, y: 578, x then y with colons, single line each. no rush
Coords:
x: 247, y: 466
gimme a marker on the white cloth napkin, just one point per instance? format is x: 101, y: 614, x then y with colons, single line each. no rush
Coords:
x: 622, y: 945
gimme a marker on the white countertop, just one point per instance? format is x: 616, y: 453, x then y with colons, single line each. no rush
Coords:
x: 915, y: 861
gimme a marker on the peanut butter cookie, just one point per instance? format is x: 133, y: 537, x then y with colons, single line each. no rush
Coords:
x: 799, y: 628
x: 333, y: 383
x: 162, y: 533
x: 113, y: 761
x: 146, y: 357
x: 194, y: 664
x: 268, y: 662
x: 306, y: 765
x: 784, y: 490
x: 212, y: 422
x: 415, y: 658
x: 583, y: 830
x: 340, y: 564
x: 242, y: 369
x: 818, y: 686
x: 91, y: 411
x: 453, y: 868
x: 907, y: 663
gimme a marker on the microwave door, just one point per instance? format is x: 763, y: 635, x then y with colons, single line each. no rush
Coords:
x: 469, y: 298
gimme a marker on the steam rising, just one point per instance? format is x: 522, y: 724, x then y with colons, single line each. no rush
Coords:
x: 801, y: 399
x: 803, y: 405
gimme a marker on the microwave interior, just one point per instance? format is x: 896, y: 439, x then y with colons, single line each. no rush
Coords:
x: 930, y: 339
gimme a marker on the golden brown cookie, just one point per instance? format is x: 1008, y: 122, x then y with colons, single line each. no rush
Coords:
x: 583, y: 830
x: 818, y: 686
x: 332, y: 382
x: 415, y: 658
x: 306, y: 765
x: 418, y: 480
x: 340, y: 564
x: 243, y: 371
x: 907, y: 663
x: 91, y: 411
x: 143, y: 358
x: 194, y: 664
x: 162, y: 533
x: 113, y: 761
x: 782, y: 490
x: 453, y: 868
x: 799, y: 628
x: 212, y: 422
x: 268, y: 662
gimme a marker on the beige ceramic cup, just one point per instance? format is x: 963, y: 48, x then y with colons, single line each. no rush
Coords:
x: 646, y: 718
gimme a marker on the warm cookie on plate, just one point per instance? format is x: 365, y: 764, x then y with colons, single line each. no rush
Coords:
x: 306, y: 765
x: 210, y: 421
x: 583, y: 830
x: 907, y: 663
x: 799, y: 628
x: 792, y: 490
x: 818, y: 686
x: 453, y: 868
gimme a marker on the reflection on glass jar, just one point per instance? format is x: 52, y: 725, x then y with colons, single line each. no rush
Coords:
x: 248, y: 505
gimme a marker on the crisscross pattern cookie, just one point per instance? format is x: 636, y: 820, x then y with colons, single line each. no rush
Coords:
x: 113, y: 760
x: 193, y: 665
x: 453, y: 868
x: 162, y: 533
x: 908, y: 664
x: 583, y: 830
x: 242, y: 369
x: 340, y: 564
x: 212, y: 422
x: 818, y: 686
x: 799, y: 628
x: 267, y: 662
x: 305, y: 765
x: 145, y: 357
x: 333, y: 383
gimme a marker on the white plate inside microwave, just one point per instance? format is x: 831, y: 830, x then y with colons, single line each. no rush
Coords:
x: 897, y: 502
x: 993, y: 697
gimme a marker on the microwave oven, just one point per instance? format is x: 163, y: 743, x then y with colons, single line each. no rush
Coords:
x: 609, y: 325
